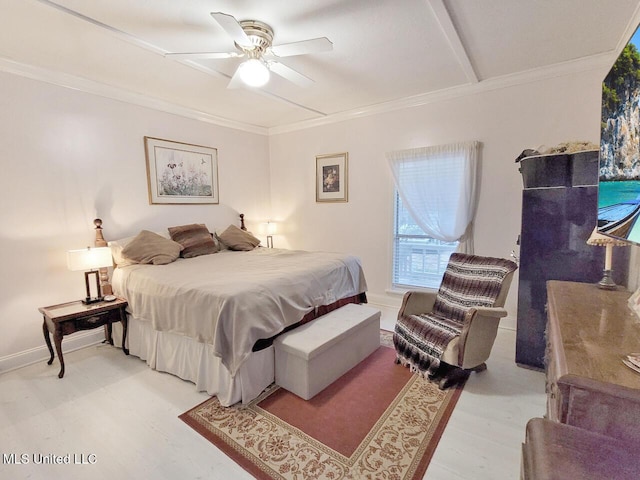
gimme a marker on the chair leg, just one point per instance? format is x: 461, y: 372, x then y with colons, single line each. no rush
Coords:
x: 480, y: 368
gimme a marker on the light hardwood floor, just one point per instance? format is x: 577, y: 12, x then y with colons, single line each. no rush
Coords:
x: 113, y: 417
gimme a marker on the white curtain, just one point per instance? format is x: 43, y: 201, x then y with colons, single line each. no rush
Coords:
x: 437, y: 186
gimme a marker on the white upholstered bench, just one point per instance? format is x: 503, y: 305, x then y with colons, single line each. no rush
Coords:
x: 311, y: 357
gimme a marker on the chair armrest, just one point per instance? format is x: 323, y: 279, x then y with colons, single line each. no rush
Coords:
x: 478, y: 335
x: 416, y: 302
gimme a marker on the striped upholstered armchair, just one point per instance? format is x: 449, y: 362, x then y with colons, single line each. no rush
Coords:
x: 446, y: 335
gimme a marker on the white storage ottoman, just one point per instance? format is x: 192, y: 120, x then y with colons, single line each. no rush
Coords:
x: 311, y: 357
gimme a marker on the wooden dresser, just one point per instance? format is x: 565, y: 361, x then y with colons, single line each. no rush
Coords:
x: 589, y: 331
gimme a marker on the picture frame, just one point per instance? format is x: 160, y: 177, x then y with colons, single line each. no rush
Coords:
x: 181, y: 173
x: 332, y: 181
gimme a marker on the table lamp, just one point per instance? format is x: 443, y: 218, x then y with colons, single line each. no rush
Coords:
x: 270, y: 229
x: 90, y: 260
x: 600, y: 240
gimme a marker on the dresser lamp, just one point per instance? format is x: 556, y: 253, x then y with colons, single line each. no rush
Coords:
x: 90, y: 260
x: 600, y: 240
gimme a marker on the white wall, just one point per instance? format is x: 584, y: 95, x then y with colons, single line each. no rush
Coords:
x: 68, y: 157
x: 506, y: 121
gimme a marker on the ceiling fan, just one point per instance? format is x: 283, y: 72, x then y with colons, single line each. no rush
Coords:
x: 253, y: 41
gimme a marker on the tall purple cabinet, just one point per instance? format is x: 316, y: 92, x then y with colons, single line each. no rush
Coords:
x: 559, y: 211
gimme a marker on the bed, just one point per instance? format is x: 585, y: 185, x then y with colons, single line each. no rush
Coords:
x: 210, y: 319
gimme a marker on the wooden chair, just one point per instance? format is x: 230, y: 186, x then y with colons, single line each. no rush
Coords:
x: 446, y: 335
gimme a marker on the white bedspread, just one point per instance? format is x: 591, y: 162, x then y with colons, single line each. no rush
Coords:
x: 232, y: 299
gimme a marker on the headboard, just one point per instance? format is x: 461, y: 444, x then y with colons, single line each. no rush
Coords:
x: 101, y: 242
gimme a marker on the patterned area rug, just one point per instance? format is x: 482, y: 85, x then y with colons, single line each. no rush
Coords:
x: 377, y: 421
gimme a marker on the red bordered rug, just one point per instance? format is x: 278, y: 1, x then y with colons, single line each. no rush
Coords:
x: 376, y: 421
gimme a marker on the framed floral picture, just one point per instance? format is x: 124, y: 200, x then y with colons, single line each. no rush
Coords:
x: 181, y: 173
x: 332, y: 177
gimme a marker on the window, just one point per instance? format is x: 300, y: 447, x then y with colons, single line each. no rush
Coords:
x: 437, y: 186
x: 418, y: 259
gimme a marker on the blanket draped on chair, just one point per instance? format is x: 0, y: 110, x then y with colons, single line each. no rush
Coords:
x: 469, y: 281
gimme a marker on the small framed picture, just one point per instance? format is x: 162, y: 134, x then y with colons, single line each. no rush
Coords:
x: 181, y: 173
x: 332, y: 177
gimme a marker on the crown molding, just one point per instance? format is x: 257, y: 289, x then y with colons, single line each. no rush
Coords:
x: 116, y: 93
x: 138, y: 42
x: 594, y: 62
x: 474, y: 85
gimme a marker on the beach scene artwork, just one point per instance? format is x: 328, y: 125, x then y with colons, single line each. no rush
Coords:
x: 619, y: 185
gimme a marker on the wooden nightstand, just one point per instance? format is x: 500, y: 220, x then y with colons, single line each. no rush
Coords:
x: 71, y: 317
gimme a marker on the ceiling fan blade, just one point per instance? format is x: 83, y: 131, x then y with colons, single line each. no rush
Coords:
x: 314, y: 45
x: 290, y: 74
x: 232, y: 27
x: 236, y: 81
x: 213, y: 55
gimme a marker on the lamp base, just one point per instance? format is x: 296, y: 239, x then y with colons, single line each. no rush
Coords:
x: 90, y: 300
x: 607, y: 282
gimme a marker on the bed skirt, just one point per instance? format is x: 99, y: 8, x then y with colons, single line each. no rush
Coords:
x: 191, y: 360
x: 194, y: 361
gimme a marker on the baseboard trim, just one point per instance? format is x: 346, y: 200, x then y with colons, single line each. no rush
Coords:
x: 41, y: 354
x: 385, y: 300
x: 93, y: 337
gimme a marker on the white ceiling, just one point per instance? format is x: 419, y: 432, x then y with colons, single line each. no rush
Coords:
x: 386, y: 53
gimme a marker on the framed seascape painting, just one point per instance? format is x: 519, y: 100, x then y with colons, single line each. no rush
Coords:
x: 619, y: 180
x: 331, y: 177
x: 181, y: 173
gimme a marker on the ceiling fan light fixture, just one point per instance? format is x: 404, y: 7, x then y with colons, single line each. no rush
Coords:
x: 254, y: 72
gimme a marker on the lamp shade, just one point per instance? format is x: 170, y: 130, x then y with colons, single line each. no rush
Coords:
x: 596, y: 238
x: 268, y: 228
x: 89, y: 258
x: 271, y: 228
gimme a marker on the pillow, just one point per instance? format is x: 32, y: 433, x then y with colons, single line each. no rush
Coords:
x: 237, y: 239
x: 117, y: 246
x: 149, y: 247
x: 221, y: 246
x: 195, y: 239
